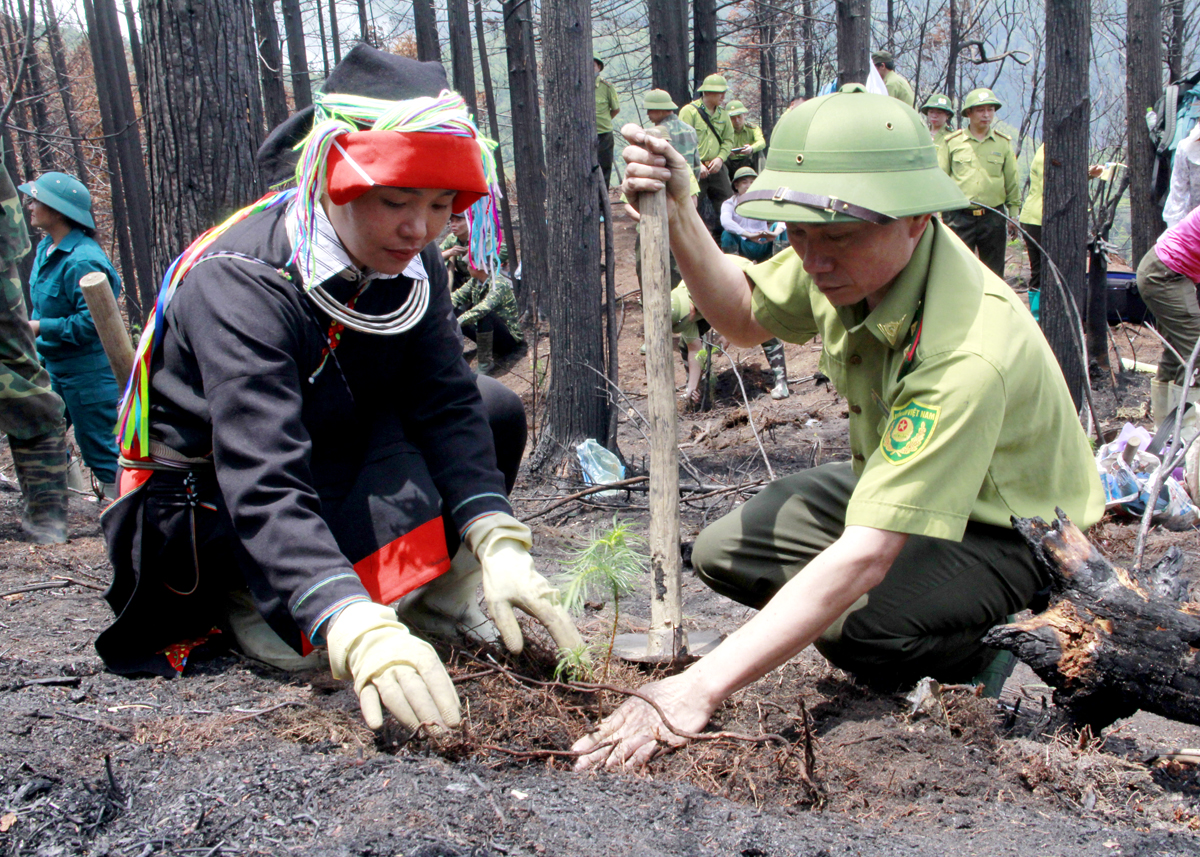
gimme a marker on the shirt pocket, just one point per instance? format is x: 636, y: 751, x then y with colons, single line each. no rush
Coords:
x: 995, y: 163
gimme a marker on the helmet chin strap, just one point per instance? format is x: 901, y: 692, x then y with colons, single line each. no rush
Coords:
x: 822, y: 203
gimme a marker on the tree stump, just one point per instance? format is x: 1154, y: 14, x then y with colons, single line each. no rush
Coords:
x: 1109, y: 643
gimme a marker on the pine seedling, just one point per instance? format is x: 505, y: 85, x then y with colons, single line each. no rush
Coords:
x: 608, y: 567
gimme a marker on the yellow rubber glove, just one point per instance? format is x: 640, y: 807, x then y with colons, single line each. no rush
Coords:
x: 501, y: 543
x: 389, y: 664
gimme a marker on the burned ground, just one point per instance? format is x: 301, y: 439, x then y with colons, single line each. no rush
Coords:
x: 238, y: 758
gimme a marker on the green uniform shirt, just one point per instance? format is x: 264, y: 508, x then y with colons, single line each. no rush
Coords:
x: 750, y: 135
x: 711, y: 145
x: 977, y: 425
x: 985, y: 170
x: 939, y: 138
x: 480, y: 298
x: 1031, y: 211
x: 899, y: 88
x: 606, y: 103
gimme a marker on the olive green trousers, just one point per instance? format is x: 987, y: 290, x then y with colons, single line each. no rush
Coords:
x: 1172, y: 299
x: 928, y: 616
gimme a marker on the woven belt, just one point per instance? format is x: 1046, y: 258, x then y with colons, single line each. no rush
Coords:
x: 823, y: 203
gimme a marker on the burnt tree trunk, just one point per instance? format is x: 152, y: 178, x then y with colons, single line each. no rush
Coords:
x: 529, y: 159
x: 429, y: 49
x: 334, y: 36
x: 202, y: 85
x: 1110, y: 643
x: 1065, y: 132
x: 13, y: 53
x: 293, y: 26
x: 324, y: 41
x: 1143, y: 86
x: 853, y: 41
x: 1096, y: 325
x: 952, y: 62
x: 668, y: 48
x: 62, y: 79
x: 577, y: 403
x: 767, y: 85
x: 41, y: 118
x: 270, y: 63
x: 463, y: 64
x: 806, y: 32
x: 494, y: 125
x: 1175, y: 38
x: 135, y: 52
x: 364, y: 23
x: 704, y: 57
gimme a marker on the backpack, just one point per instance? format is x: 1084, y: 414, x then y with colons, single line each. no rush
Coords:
x: 1172, y: 119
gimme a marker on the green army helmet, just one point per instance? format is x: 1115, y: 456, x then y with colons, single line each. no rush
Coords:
x: 979, y: 97
x: 848, y: 157
x: 714, y: 83
x: 596, y: 59
x: 745, y: 173
x: 937, y: 101
x: 658, y: 99
x: 736, y: 108
x: 65, y: 194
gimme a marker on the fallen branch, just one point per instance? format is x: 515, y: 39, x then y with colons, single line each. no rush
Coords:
x: 634, y: 480
x: 35, y: 587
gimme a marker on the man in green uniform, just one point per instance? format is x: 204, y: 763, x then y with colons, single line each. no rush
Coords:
x: 607, y: 107
x: 980, y: 159
x: 897, y: 562
x: 714, y: 133
x: 31, y: 414
x: 748, y: 141
x: 897, y: 85
x: 938, y: 112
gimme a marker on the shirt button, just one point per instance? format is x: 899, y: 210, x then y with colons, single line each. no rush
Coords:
x: 855, y: 409
x: 855, y: 360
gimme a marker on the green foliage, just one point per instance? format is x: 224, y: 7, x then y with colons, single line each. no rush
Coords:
x: 608, y: 567
x: 574, y: 664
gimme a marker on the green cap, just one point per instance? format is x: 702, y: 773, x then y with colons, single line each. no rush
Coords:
x: 745, y: 172
x: 884, y: 57
x: 598, y: 60
x: 979, y: 97
x: 658, y: 99
x: 65, y: 194
x: 714, y: 83
x: 851, y: 150
x: 937, y: 101
x: 736, y: 108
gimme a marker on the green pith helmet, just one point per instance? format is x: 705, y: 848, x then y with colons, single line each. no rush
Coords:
x: 848, y: 157
x: 745, y: 173
x: 884, y: 57
x: 714, y: 83
x: 658, y: 99
x: 979, y: 97
x: 597, y: 59
x: 736, y: 108
x: 937, y: 101
x: 65, y: 194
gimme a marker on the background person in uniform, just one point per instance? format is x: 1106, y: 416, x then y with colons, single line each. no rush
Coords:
x: 980, y: 159
x: 31, y: 413
x: 487, y: 312
x: 607, y: 107
x: 897, y: 85
x: 67, y: 340
x: 938, y: 112
x: 896, y: 563
x: 714, y: 135
x: 454, y: 251
x: 748, y: 142
x: 311, y: 446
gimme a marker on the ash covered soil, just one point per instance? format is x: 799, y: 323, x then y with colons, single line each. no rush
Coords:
x: 239, y: 758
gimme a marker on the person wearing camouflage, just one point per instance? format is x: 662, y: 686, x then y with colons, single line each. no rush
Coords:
x: 454, y: 251
x: 31, y: 414
x: 487, y: 312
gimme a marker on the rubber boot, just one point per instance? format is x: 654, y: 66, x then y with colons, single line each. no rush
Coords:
x: 483, y: 355
x: 1159, y: 398
x: 447, y: 608
x: 41, y: 465
x: 996, y: 673
x: 259, y: 641
x: 778, y: 361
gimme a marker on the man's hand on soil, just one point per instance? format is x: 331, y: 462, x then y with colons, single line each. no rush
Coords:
x: 392, y: 667
x: 635, y: 733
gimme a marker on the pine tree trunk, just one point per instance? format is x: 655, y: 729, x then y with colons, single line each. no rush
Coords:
x: 62, y: 79
x: 37, y: 97
x: 324, y: 41
x: 459, y: 15
x: 494, y: 125
x: 853, y: 40
x: 668, y: 48
x: 429, y: 49
x: 334, y: 36
x: 202, y: 84
x: 135, y: 51
x: 270, y: 63
x: 766, y: 68
x: 13, y: 52
x: 297, y: 54
x: 1065, y: 207
x: 364, y: 23
x: 809, y: 59
x: 577, y: 403
x: 952, y: 63
x: 704, y: 63
x: 1143, y: 86
x: 528, y: 152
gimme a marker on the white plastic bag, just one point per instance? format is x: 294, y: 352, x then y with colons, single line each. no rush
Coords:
x: 599, y: 466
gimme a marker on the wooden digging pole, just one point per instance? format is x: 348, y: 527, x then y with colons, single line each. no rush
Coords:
x: 98, y: 295
x: 667, y: 640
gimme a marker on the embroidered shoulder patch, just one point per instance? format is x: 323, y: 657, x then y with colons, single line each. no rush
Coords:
x: 908, y: 431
